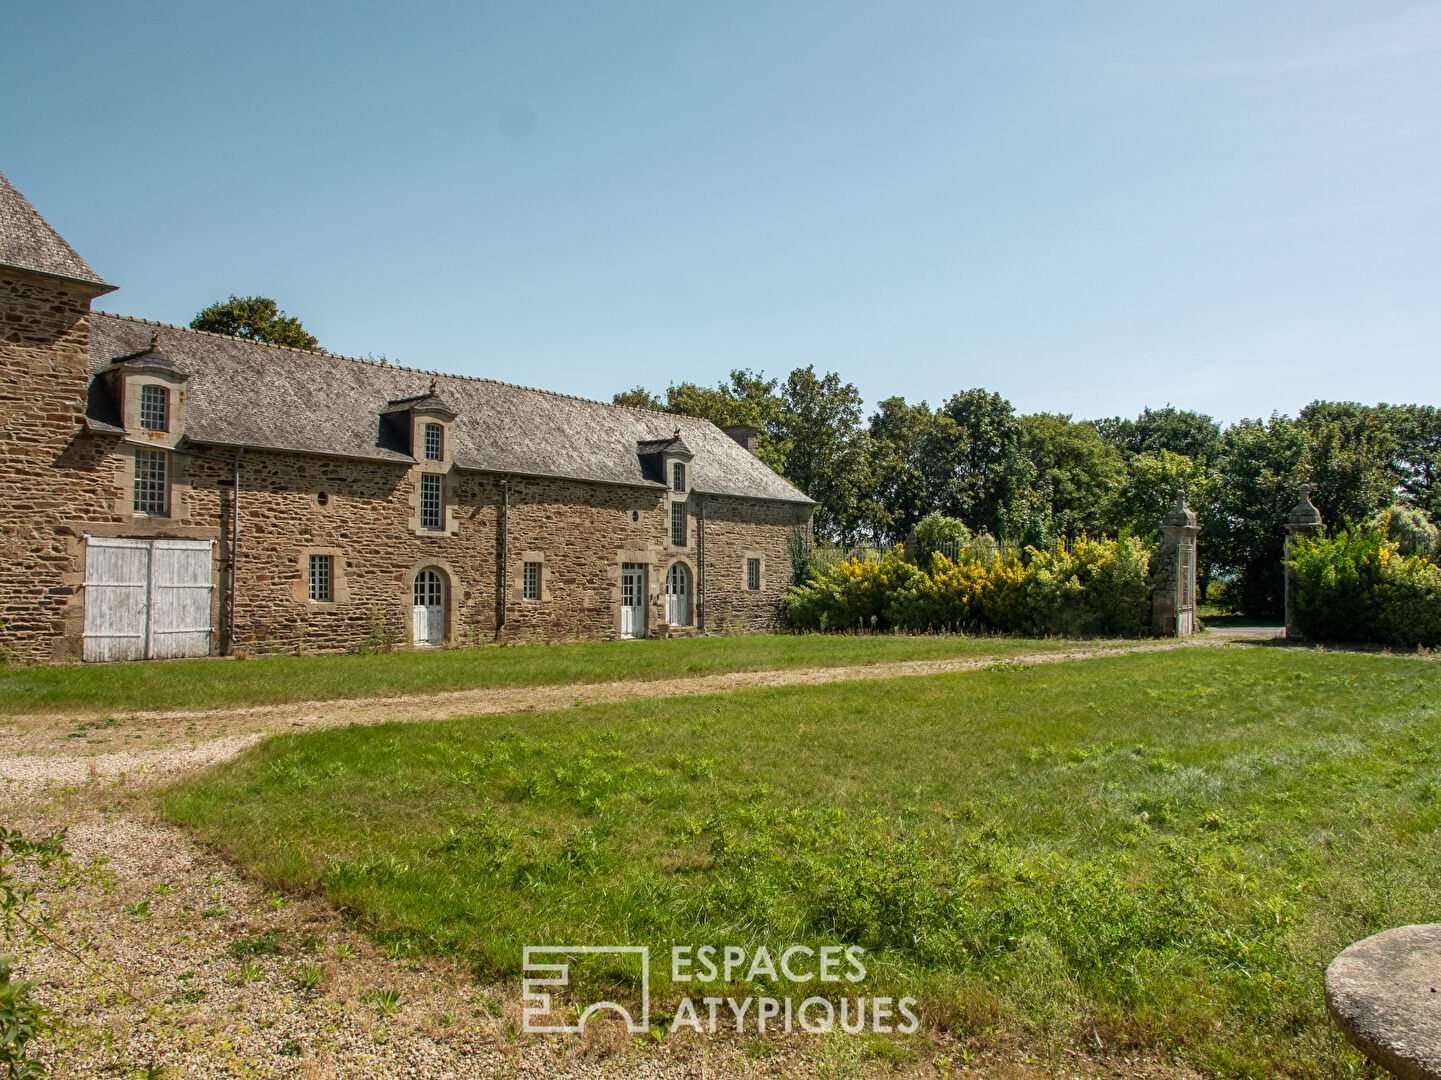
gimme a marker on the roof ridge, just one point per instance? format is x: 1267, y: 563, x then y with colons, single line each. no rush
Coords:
x: 398, y: 367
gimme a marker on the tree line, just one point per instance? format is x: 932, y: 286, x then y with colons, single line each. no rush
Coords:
x: 1041, y: 478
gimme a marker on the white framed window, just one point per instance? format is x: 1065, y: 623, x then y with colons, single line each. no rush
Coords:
x: 677, y: 476
x: 321, y: 576
x: 753, y: 574
x: 152, y: 482
x: 677, y: 524
x: 154, y: 408
x: 434, y: 442
x: 530, y: 581
x: 431, y: 511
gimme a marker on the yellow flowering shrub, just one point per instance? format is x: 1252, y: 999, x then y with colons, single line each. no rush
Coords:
x: 1099, y: 587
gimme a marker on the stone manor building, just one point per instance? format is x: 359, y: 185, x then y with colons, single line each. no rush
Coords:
x: 175, y: 493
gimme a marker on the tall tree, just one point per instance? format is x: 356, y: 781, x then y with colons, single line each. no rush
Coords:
x: 829, y: 452
x: 638, y: 397
x: 1077, y: 473
x: 992, y: 485
x: 1351, y: 460
x: 1260, y: 465
x: 1417, y: 430
x: 1192, y: 434
x: 257, y: 318
x: 914, y: 462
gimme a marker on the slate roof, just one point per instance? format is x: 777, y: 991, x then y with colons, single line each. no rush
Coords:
x: 27, y: 242
x: 244, y: 393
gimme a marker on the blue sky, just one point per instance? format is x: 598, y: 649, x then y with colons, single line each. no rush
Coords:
x: 1090, y: 208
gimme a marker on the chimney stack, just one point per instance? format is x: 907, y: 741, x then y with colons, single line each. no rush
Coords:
x: 747, y: 436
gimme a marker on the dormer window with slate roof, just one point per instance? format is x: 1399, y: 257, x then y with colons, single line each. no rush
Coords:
x: 421, y: 427
x: 147, y: 394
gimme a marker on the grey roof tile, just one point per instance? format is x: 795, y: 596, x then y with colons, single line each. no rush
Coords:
x: 27, y: 242
x: 244, y: 393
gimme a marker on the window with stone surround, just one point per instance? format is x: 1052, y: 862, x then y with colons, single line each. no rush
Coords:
x: 434, y: 442
x: 432, y: 514
x: 753, y: 574
x: 152, y: 482
x: 677, y: 524
x: 154, y: 408
x: 530, y: 581
x: 321, y: 576
x: 677, y: 475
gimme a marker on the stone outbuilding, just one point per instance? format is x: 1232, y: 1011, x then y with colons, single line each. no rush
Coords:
x: 170, y: 492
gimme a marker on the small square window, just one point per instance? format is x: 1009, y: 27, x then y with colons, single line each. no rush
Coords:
x: 430, y: 502
x: 530, y: 581
x: 154, y: 408
x: 152, y: 487
x: 753, y: 574
x: 677, y: 524
x: 320, y: 579
x: 434, y: 441
x: 677, y: 476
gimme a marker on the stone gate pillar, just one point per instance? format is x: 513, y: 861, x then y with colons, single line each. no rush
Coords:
x: 1173, y: 604
x: 1305, y: 521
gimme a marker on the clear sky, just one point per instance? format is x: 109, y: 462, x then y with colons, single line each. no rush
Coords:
x: 1230, y: 206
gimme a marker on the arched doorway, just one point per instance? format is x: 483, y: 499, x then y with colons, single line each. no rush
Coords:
x: 677, y: 595
x: 428, y: 614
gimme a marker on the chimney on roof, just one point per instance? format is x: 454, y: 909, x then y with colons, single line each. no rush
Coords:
x: 747, y: 436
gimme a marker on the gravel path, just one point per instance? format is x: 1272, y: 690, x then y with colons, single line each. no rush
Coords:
x: 189, y: 968
x: 47, y: 750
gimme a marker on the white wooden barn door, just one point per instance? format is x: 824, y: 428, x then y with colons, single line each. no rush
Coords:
x: 632, y: 600
x: 428, y: 612
x: 147, y: 599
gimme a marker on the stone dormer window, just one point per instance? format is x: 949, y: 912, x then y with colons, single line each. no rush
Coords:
x: 667, y: 462
x: 677, y: 476
x: 419, y: 426
x: 154, y: 407
x: 148, y: 394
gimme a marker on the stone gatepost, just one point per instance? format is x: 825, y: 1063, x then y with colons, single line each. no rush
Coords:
x: 1305, y: 521
x: 1173, y: 604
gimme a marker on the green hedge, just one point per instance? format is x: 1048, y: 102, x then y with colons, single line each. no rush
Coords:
x: 1358, y: 586
x: 1099, y: 587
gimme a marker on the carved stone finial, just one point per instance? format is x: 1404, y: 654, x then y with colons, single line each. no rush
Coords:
x: 432, y: 387
x: 1304, y: 513
x: 1181, y: 515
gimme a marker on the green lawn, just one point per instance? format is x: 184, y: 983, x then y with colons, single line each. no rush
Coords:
x: 1162, y: 851
x: 199, y: 684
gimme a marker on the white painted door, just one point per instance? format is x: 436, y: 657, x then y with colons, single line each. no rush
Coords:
x: 147, y: 599
x: 428, y: 614
x: 677, y: 596
x: 632, y: 600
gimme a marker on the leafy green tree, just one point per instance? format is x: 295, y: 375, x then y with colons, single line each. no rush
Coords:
x: 747, y: 398
x: 256, y: 318
x: 914, y: 461
x: 1417, y: 430
x: 1191, y: 434
x: 992, y: 484
x: 1351, y: 460
x: 828, y: 452
x: 1260, y: 465
x: 1077, y: 473
x: 638, y: 397
x: 1149, y: 491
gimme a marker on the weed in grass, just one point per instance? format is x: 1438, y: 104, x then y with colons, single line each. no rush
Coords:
x: 248, y: 972
x: 309, y: 975
x: 140, y: 910
x: 186, y: 997
x: 387, y: 1002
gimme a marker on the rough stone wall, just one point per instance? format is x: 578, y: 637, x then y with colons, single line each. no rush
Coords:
x: 737, y: 529
x: 580, y: 533
x: 48, y: 469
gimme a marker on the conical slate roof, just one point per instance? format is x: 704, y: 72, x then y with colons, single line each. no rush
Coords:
x: 27, y: 242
